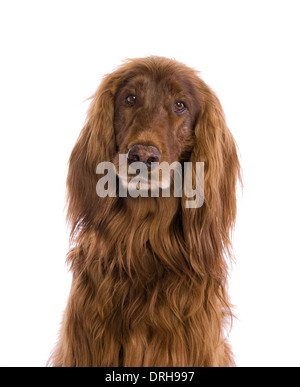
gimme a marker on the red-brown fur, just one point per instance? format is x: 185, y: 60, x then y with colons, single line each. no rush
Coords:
x: 150, y: 275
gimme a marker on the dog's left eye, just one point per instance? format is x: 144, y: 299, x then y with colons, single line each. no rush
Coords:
x: 130, y: 100
x: 179, y: 107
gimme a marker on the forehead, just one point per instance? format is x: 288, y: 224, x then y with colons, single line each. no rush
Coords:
x: 171, y: 84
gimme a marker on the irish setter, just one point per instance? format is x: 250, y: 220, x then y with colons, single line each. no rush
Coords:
x: 149, y: 273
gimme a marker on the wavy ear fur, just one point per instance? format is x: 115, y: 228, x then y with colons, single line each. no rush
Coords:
x: 207, y: 229
x: 96, y: 143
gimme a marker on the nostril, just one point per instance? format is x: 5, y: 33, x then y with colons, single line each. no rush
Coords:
x: 133, y: 155
x: 152, y: 159
x: 132, y: 158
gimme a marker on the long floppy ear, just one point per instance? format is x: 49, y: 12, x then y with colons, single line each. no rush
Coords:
x: 208, y: 228
x: 96, y: 143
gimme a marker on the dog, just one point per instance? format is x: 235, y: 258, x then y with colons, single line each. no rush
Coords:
x: 150, y: 274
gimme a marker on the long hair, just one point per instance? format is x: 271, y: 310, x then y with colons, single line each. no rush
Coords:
x: 149, y: 275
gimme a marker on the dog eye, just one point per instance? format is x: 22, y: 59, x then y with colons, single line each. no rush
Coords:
x: 179, y: 107
x: 130, y: 100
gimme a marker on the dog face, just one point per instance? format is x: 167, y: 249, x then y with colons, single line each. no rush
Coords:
x: 154, y: 116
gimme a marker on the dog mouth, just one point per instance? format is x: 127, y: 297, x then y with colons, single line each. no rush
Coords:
x: 141, y: 178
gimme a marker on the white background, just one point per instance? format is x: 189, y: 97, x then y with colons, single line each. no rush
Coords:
x: 53, y: 56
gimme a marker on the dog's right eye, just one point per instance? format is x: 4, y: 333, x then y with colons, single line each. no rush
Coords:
x: 179, y: 107
x: 130, y: 100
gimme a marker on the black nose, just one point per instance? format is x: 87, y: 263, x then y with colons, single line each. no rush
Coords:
x: 145, y: 153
